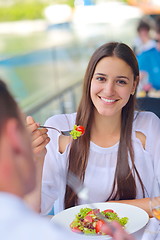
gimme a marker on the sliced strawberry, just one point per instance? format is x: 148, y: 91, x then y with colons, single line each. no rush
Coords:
x: 76, y: 229
x: 94, y: 211
x: 90, y: 212
x: 88, y: 218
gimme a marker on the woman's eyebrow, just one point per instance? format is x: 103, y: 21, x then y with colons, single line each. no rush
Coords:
x: 102, y: 74
x: 105, y: 75
x: 123, y: 77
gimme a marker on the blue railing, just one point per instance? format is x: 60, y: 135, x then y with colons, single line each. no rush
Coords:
x: 64, y: 102
x: 47, y: 81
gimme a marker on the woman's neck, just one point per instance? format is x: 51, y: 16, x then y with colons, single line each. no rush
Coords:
x: 105, y: 131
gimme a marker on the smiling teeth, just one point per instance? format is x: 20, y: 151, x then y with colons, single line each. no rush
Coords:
x: 108, y: 100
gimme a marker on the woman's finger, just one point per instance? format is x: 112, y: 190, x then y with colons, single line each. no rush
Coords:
x: 31, y: 124
x: 39, y: 132
x: 41, y: 147
x: 39, y: 140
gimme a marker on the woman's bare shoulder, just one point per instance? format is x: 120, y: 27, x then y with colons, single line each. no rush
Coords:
x: 64, y: 141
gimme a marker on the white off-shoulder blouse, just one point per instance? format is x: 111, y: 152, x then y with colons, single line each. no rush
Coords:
x: 101, y: 166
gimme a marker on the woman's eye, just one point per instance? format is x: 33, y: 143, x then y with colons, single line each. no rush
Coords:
x: 121, y: 82
x: 100, y: 79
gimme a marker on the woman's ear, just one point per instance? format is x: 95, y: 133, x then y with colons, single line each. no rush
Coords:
x: 135, y: 83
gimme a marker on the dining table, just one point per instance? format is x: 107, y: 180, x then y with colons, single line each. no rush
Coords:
x: 139, y: 234
x: 151, y: 231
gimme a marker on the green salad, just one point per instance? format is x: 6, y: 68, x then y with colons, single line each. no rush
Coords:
x: 77, y: 131
x: 87, y: 221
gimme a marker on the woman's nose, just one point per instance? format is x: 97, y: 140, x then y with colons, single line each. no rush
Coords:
x: 109, y: 89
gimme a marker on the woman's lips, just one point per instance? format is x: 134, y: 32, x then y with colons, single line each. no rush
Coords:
x: 108, y: 100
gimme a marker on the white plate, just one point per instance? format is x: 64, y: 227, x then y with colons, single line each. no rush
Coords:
x: 138, y: 218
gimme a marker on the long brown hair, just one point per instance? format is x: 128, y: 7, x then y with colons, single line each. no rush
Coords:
x: 124, y: 186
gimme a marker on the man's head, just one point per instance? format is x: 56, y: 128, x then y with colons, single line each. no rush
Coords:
x: 157, y: 34
x: 143, y: 30
x: 17, y: 170
x: 143, y: 25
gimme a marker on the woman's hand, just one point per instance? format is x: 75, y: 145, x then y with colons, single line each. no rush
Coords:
x: 39, y: 138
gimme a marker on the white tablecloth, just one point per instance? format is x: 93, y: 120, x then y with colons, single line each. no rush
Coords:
x: 150, y: 232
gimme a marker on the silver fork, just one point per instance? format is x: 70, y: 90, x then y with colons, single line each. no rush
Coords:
x: 65, y: 133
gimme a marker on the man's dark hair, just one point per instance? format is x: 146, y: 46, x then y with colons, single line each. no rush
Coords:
x: 157, y: 24
x: 143, y: 25
x: 8, y: 106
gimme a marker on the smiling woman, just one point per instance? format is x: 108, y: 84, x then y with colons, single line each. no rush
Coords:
x: 112, y: 85
x: 117, y: 141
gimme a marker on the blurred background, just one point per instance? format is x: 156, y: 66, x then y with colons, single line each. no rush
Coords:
x: 45, y: 46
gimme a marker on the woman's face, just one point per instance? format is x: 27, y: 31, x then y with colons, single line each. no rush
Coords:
x: 111, y: 85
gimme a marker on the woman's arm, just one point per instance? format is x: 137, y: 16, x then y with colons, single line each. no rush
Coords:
x: 39, y: 141
x: 141, y: 203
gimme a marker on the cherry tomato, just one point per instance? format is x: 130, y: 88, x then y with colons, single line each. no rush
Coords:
x: 108, y: 210
x: 99, y: 225
x: 80, y: 129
